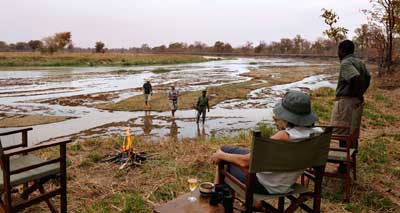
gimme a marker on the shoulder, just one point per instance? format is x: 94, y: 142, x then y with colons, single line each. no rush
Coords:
x: 282, y: 135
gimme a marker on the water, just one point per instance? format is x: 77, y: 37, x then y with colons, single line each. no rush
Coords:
x: 25, y: 91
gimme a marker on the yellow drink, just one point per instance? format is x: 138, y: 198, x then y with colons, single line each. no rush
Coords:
x: 192, y: 183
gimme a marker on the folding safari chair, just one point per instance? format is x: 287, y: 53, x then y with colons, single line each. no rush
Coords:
x: 268, y: 155
x: 347, y: 155
x: 20, y: 168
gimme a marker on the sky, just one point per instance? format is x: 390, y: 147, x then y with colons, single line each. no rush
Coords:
x: 128, y: 23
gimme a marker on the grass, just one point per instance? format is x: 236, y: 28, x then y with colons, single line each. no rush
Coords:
x: 29, y: 120
x: 159, y: 101
x: 161, y: 70
x: 93, y: 59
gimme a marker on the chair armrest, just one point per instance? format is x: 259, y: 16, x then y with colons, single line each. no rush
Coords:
x: 24, y: 150
x: 15, y: 131
x: 337, y: 127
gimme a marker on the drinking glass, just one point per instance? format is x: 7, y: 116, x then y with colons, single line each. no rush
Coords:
x: 192, y: 181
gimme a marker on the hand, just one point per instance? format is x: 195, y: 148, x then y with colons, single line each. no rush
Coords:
x: 208, y: 110
x: 215, y: 158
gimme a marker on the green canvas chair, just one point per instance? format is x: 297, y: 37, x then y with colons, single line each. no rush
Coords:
x: 20, y: 168
x: 269, y: 155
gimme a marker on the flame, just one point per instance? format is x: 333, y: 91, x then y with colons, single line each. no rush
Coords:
x: 128, y: 142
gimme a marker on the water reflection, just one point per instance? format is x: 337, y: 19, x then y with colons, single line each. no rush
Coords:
x: 147, y: 123
x: 173, y: 132
x: 201, y: 135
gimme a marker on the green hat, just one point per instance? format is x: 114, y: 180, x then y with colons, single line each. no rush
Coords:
x: 295, y: 108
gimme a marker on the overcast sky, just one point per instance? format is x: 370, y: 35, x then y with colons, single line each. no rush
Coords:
x: 127, y: 23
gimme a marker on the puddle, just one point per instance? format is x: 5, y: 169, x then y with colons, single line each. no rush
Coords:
x: 227, y: 118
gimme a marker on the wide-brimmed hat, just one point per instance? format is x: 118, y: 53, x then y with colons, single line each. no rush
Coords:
x: 295, y: 108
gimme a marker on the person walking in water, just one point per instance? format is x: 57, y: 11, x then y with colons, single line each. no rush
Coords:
x: 147, y: 91
x: 201, y: 106
x: 173, y: 95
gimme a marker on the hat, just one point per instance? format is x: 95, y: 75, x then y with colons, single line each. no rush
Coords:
x: 295, y: 108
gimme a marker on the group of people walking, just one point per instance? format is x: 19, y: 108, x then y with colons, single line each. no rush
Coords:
x: 201, y: 105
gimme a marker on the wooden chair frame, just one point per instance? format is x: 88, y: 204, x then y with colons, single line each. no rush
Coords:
x: 350, y: 151
x: 296, y: 202
x: 8, y: 154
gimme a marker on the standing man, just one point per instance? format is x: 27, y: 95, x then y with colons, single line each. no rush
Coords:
x: 173, y: 95
x: 201, y: 106
x: 353, y: 82
x: 147, y: 91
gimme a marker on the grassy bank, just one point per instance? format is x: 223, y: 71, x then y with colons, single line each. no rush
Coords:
x: 187, y: 100
x: 92, y: 59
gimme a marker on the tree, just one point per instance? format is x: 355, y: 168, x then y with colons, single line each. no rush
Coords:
x: 385, y: 14
x: 56, y: 42
x: 219, y: 46
x: 286, y: 45
x: 99, y: 47
x: 35, y: 44
x: 335, y: 33
x: 260, y: 47
x: 3, y: 46
x: 298, y: 43
x: 247, y: 47
x: 21, y: 46
x: 362, y: 36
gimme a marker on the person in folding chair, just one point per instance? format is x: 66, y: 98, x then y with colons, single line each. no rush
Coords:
x: 294, y: 120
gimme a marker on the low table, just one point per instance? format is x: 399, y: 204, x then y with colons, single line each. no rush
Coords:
x: 182, y: 205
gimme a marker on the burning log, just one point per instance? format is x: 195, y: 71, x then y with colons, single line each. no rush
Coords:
x: 128, y: 156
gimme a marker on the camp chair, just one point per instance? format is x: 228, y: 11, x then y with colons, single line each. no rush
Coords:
x: 20, y: 168
x: 346, y: 155
x: 279, y: 156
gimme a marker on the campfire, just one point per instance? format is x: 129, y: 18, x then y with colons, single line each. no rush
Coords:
x: 128, y: 155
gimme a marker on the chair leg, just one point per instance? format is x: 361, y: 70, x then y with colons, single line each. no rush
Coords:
x: 347, y: 184
x: 354, y: 167
x: 296, y: 203
x: 281, y: 204
x: 48, y: 201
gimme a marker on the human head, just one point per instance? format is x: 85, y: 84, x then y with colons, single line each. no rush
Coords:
x: 295, y: 109
x: 345, y: 48
x: 148, y: 81
x: 204, y: 92
x: 172, y: 87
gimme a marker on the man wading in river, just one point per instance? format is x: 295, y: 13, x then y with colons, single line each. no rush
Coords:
x: 201, y: 106
x: 147, y: 91
x: 353, y: 82
x: 173, y: 95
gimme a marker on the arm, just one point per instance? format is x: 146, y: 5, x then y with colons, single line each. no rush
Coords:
x: 151, y: 89
x: 208, y: 105
x: 240, y: 160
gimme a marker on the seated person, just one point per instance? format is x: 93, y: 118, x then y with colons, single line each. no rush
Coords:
x: 294, y: 120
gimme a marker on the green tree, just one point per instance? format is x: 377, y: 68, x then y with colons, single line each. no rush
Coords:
x: 56, y: 42
x: 335, y: 33
x: 35, y: 44
x: 260, y: 47
x: 99, y: 47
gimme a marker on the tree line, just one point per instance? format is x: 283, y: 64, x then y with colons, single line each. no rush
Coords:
x: 377, y: 40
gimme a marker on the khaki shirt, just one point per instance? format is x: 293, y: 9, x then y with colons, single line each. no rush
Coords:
x: 350, y: 67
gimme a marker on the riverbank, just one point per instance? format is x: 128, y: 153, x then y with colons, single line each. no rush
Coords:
x: 93, y: 59
x: 95, y: 186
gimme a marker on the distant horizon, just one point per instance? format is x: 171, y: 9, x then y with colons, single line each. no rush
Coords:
x: 122, y: 24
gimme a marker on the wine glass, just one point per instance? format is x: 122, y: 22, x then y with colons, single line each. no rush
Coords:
x: 192, y: 181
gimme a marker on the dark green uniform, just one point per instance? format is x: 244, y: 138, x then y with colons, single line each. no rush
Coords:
x: 202, y: 106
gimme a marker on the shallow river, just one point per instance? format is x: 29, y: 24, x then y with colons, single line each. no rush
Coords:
x: 23, y: 91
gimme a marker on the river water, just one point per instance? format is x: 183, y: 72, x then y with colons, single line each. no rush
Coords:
x: 25, y: 91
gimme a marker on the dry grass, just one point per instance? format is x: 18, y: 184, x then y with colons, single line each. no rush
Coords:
x: 93, y: 59
x: 28, y: 120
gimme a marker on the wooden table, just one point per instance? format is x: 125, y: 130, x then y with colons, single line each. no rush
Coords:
x: 182, y: 205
